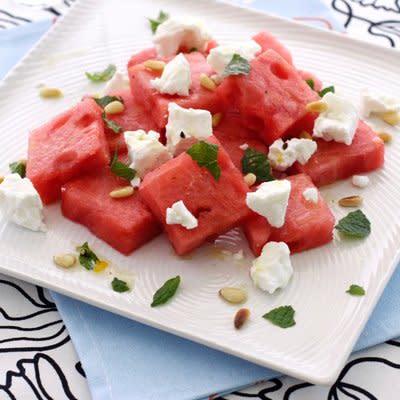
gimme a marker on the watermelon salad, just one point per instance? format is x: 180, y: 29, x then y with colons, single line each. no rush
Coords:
x: 197, y: 138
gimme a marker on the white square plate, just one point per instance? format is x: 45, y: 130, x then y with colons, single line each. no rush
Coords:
x: 98, y: 32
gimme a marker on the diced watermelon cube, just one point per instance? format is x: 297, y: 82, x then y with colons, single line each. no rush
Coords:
x: 70, y: 145
x: 157, y: 103
x: 124, y: 223
x: 307, y: 225
x: 133, y: 117
x: 271, y: 99
x: 267, y: 41
x: 334, y: 161
x: 218, y: 205
x: 232, y: 135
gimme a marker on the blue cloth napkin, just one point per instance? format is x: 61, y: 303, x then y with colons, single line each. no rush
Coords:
x: 127, y: 360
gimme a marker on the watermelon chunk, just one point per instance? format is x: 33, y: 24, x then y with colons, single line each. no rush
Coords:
x: 267, y: 41
x: 157, y: 104
x: 218, y: 206
x: 334, y: 161
x: 232, y: 135
x: 70, y: 145
x: 307, y: 225
x: 133, y: 117
x: 125, y: 223
x: 271, y: 98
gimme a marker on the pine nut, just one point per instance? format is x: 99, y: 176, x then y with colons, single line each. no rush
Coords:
x: 65, y: 260
x: 100, y: 266
x: 115, y: 107
x: 305, y: 135
x: 241, y: 317
x: 351, y: 201
x: 216, y: 119
x: 250, y: 179
x: 50, y: 92
x: 1, y: 179
x: 391, y: 118
x: 317, y: 106
x: 125, y: 191
x: 386, y: 137
x: 233, y: 295
x: 207, y: 83
x: 154, y: 65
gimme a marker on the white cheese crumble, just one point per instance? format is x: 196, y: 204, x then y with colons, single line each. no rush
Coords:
x: 272, y: 269
x: 360, y: 181
x: 374, y: 103
x: 244, y: 146
x: 283, y: 155
x: 270, y: 200
x: 311, y: 194
x: 118, y: 83
x: 178, y: 214
x: 338, y: 122
x: 185, y: 126
x: 145, y: 151
x: 221, y: 56
x: 135, y: 182
x: 175, y: 78
x: 178, y: 32
x: 21, y: 203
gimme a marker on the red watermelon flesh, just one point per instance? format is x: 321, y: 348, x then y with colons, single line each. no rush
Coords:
x: 70, y: 145
x: 307, y: 225
x: 305, y: 124
x: 133, y: 117
x: 334, y: 161
x: 271, y: 99
x: 157, y: 103
x: 267, y: 41
x: 125, y: 223
x: 232, y: 135
x: 219, y: 206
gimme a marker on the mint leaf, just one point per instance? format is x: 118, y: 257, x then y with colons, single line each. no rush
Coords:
x: 282, y: 316
x: 354, y: 225
x: 166, y: 291
x: 19, y: 168
x: 206, y: 154
x: 238, y: 65
x: 111, y: 124
x: 310, y: 82
x: 87, y: 258
x: 119, y: 286
x: 102, y: 76
x: 155, y: 23
x: 103, y: 101
x: 356, y: 290
x: 121, y: 169
x: 255, y: 162
x: 326, y: 90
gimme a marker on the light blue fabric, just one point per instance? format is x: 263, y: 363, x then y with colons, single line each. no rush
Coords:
x: 125, y: 360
